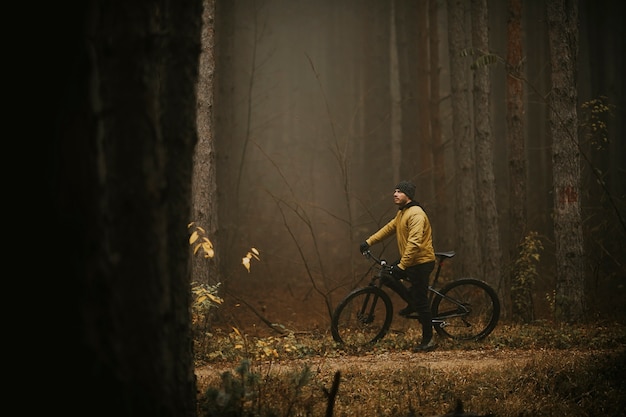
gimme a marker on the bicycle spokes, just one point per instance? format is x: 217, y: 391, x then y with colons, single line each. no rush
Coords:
x: 362, y: 317
x: 466, y: 309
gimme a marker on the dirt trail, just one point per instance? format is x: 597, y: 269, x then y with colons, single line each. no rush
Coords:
x: 442, y: 360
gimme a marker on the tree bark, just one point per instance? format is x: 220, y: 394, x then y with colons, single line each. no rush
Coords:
x: 441, y: 206
x: 424, y: 168
x: 204, y: 180
x: 486, y: 187
x: 125, y: 139
x: 521, y: 306
x: 464, y: 156
x: 562, y: 19
x: 405, y: 17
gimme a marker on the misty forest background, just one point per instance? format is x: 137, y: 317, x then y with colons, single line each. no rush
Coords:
x: 284, y: 126
x: 320, y: 108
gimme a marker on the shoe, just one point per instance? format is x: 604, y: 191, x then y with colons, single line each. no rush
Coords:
x: 425, y: 347
x: 407, y: 310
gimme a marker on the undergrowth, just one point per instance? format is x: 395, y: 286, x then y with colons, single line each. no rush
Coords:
x: 231, y: 346
x: 572, y: 370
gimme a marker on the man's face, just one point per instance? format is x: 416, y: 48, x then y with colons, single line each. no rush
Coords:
x: 399, y: 198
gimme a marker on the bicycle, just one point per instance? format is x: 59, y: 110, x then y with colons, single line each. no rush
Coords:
x: 464, y: 309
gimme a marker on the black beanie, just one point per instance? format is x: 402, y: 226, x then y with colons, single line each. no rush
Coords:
x: 407, y: 187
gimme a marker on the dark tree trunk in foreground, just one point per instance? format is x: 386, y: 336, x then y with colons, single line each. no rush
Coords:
x: 122, y: 163
x: 563, y: 35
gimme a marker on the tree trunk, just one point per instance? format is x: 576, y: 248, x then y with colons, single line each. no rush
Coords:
x: 204, y: 181
x: 521, y: 305
x: 563, y: 35
x: 424, y: 168
x: 375, y: 28
x: 405, y: 14
x: 441, y: 206
x: 227, y: 103
x: 486, y: 188
x: 465, y: 173
x: 125, y: 140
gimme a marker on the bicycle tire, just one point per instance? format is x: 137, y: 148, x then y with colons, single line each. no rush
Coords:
x: 362, y: 318
x: 483, y: 307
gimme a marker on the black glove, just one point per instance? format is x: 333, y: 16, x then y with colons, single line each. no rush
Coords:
x: 363, y: 247
x: 397, y: 273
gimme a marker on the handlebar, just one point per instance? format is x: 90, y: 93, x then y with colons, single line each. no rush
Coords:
x: 381, y: 262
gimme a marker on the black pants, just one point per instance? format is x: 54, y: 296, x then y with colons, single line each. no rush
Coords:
x: 419, y: 277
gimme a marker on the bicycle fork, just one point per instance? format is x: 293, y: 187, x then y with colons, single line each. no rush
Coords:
x: 367, y: 317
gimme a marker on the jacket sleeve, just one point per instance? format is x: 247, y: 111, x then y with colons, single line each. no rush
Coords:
x: 383, y: 233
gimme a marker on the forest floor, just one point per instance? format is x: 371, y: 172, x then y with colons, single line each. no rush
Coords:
x: 542, y: 369
x: 386, y: 362
x: 488, y: 382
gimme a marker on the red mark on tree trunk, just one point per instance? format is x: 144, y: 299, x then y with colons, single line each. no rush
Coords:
x: 568, y: 195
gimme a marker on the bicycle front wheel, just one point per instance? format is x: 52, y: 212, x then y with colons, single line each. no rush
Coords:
x: 362, y: 318
x: 466, y: 309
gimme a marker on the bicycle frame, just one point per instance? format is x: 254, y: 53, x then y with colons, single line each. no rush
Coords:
x: 441, y: 318
x: 384, y: 279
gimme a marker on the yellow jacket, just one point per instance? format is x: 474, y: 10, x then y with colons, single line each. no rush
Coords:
x: 413, y: 234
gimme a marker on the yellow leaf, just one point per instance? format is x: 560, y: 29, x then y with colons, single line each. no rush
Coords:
x: 215, y: 299
x: 208, y: 249
x: 193, y: 237
x: 201, y: 229
x: 255, y: 251
x: 236, y: 331
x: 246, y: 263
x: 195, y: 250
x: 207, y: 241
x: 189, y: 225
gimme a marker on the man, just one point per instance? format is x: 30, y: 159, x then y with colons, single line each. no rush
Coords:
x: 417, y: 256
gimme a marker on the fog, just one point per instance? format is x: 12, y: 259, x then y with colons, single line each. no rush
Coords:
x: 309, y: 132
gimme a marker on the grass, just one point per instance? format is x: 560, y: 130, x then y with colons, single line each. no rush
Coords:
x: 568, y: 370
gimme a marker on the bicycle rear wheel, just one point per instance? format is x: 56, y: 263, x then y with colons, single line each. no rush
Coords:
x: 467, y: 309
x: 363, y: 317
